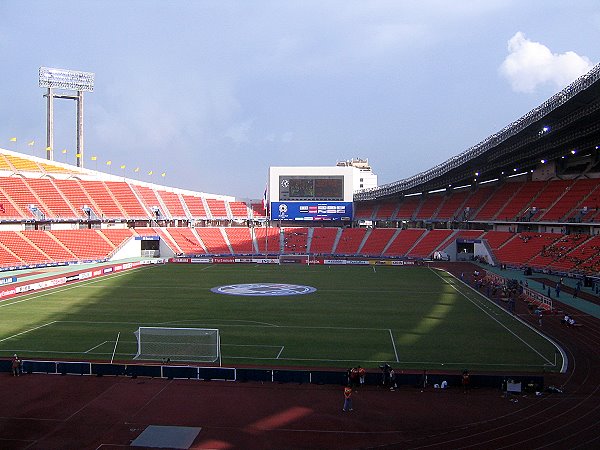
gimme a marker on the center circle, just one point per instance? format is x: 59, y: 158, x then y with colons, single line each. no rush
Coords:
x: 263, y: 289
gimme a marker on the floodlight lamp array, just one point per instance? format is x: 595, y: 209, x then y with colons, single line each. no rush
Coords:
x: 72, y: 80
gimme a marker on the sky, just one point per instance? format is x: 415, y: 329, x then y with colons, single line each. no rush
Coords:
x: 213, y: 93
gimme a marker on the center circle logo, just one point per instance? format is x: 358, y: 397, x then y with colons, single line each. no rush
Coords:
x: 263, y: 289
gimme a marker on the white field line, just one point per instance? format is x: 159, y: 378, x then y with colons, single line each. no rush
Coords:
x: 393, y: 343
x: 96, y: 346
x: 27, y: 331
x: 491, y: 317
x: 280, y: 352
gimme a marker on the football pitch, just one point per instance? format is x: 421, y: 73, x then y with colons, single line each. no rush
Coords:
x: 410, y: 317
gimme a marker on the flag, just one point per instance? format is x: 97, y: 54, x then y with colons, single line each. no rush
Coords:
x: 136, y: 170
x: 77, y: 155
x: 94, y: 158
x: 30, y: 143
x: 164, y: 174
x: 265, y: 197
x: 109, y: 162
x: 13, y: 139
x: 150, y: 173
x: 49, y: 148
x: 122, y: 166
x: 64, y: 151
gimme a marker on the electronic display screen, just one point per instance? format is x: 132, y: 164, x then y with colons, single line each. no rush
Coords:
x: 312, y: 211
x: 314, y: 188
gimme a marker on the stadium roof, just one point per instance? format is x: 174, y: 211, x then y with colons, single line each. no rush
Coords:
x: 564, y: 126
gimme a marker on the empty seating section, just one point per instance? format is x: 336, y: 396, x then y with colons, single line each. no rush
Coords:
x: 108, y: 208
x: 149, y: 199
x: 386, y: 211
x: 524, y: 246
x: 23, y: 248
x: 51, y: 168
x: 496, y: 239
x: 408, y: 208
x: 186, y: 240
x: 4, y: 164
x: 571, y: 197
x: 195, y: 206
x: 295, y: 240
x: 520, y: 201
x: 16, y: 189
x: 468, y: 234
x: 431, y: 204
x: 364, y: 211
x: 587, y: 209
x: 452, y: 204
x: 213, y: 241
x: 475, y: 201
x: 126, y: 198
x: 84, y: 244
x: 23, y: 164
x: 118, y: 235
x: 173, y: 204
x: 57, y: 206
x: 240, y: 240
x: 76, y: 196
x: 7, y: 210
x: 429, y: 243
x: 217, y: 208
x: 50, y: 245
x: 404, y: 241
x: 376, y: 241
x: 268, y: 240
x: 7, y: 257
x: 500, y: 197
x: 239, y: 210
x: 322, y: 240
x: 550, y: 194
x: 258, y: 211
x: 350, y: 241
x: 146, y: 231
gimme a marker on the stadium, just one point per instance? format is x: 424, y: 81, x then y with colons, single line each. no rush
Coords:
x: 141, y: 293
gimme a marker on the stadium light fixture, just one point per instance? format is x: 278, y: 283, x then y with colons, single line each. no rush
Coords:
x: 66, y: 80
x: 71, y: 80
x: 573, y: 152
x: 543, y: 161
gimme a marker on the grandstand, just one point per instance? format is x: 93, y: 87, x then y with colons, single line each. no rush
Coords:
x: 525, y: 196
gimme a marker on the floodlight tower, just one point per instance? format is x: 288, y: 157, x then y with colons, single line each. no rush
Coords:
x: 67, y: 80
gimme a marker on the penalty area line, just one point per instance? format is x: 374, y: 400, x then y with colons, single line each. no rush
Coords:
x: 27, y: 331
x: 280, y: 352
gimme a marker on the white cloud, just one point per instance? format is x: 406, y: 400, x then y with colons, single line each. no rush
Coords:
x: 531, y: 64
x: 239, y: 133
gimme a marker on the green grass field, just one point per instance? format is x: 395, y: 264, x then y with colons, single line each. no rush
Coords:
x: 413, y: 318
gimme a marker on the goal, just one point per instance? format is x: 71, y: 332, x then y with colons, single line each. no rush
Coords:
x: 178, y: 344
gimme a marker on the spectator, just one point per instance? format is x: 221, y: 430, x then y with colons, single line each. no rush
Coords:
x: 16, y: 366
x: 347, y: 398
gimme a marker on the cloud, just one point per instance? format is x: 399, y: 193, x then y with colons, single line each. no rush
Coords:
x: 531, y: 64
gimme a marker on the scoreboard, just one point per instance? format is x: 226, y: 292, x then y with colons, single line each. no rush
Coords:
x: 310, y: 193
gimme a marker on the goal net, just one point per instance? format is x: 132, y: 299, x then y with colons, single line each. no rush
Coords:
x: 178, y: 344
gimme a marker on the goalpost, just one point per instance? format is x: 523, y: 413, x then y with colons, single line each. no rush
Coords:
x: 179, y: 344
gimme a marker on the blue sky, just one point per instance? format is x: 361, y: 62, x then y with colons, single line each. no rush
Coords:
x: 215, y: 92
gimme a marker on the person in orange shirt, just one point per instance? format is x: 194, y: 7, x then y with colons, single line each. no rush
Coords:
x: 347, y: 398
x: 361, y: 374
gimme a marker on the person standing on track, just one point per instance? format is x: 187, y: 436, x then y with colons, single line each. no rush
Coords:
x: 16, y: 366
x: 347, y: 399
